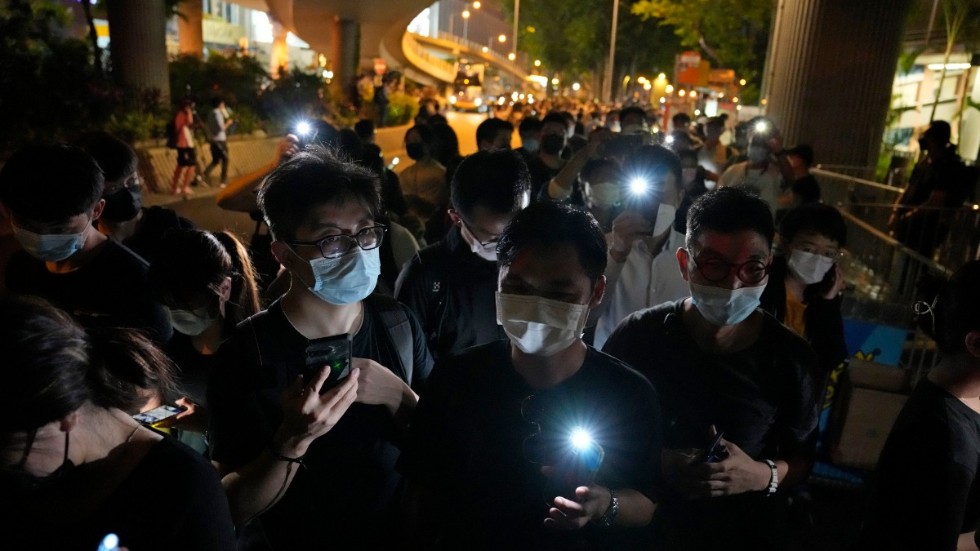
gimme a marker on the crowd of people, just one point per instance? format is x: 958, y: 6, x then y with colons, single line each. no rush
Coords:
x: 608, y: 338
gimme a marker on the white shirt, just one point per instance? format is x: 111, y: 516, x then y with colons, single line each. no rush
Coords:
x: 647, y: 278
x: 764, y: 183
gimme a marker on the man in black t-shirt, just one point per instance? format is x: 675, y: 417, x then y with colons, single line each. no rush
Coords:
x: 926, y: 493
x: 500, y: 423
x: 308, y: 487
x: 53, y: 194
x: 450, y: 285
x: 720, y: 364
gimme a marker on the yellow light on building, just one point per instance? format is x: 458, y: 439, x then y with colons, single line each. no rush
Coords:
x: 741, y: 82
x: 682, y: 93
x: 502, y: 38
x: 476, y: 5
x: 466, y: 14
x: 669, y: 89
x: 512, y: 56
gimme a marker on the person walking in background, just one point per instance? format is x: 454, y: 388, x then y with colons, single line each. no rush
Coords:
x: 186, y: 155
x: 218, y: 124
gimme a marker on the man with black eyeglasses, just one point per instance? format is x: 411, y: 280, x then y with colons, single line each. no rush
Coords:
x: 450, y: 285
x: 739, y: 390
x: 315, y: 465
x: 537, y: 441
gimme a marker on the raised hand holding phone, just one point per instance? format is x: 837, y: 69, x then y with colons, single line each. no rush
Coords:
x: 307, y: 414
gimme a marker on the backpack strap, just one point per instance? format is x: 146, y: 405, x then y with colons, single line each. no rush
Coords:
x: 399, y: 331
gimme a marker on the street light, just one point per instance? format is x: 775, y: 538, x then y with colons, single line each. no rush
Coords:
x: 466, y: 24
x: 502, y: 38
x: 476, y: 5
x: 512, y: 56
x: 537, y: 62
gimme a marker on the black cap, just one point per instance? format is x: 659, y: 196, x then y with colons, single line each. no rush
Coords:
x: 802, y: 151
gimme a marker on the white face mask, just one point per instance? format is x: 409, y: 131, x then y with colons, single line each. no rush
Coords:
x: 486, y: 252
x: 665, y: 218
x: 808, y: 267
x: 634, y: 128
x: 605, y: 194
x: 725, y: 306
x: 191, y: 322
x: 538, y: 325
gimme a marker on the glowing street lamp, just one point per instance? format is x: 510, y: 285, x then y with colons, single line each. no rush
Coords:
x: 512, y: 56
x: 502, y: 38
x: 466, y: 24
x: 537, y: 62
x: 476, y: 5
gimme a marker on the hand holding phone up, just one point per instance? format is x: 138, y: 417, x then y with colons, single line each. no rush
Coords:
x: 307, y: 414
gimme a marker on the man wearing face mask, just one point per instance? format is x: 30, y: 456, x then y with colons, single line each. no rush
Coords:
x: 53, y: 197
x: 450, y: 285
x: 497, y: 420
x: 124, y: 218
x: 600, y: 189
x: 642, y: 271
x: 722, y: 365
x: 267, y: 421
x: 530, y: 133
x: 762, y: 174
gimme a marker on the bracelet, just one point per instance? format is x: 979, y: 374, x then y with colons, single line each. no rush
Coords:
x: 280, y: 457
x: 607, y: 518
x: 773, y: 478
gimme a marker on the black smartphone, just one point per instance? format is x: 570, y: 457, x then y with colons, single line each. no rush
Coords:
x: 715, y: 452
x: 334, y: 353
x: 575, y: 466
x: 159, y: 417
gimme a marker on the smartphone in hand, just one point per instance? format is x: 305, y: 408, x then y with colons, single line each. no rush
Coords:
x: 334, y: 353
x: 716, y: 451
x: 160, y: 417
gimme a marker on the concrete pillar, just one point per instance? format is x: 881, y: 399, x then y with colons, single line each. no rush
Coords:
x: 345, y: 51
x: 970, y: 125
x: 832, y: 65
x: 190, y: 27
x: 279, y: 56
x: 138, y: 46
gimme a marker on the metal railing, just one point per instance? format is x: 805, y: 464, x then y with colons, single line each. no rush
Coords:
x: 893, y: 251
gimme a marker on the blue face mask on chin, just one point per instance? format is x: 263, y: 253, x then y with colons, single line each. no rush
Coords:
x: 50, y: 247
x: 348, y: 279
x: 725, y: 306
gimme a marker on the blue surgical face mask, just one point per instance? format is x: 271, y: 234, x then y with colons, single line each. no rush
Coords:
x: 531, y: 145
x: 348, y: 279
x: 51, y: 247
x: 725, y: 306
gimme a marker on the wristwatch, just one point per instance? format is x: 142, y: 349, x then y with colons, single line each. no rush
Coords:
x: 607, y: 519
x: 773, y: 477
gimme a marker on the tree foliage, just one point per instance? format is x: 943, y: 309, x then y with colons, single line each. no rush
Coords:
x: 733, y: 34
x: 49, y: 87
x: 572, y: 38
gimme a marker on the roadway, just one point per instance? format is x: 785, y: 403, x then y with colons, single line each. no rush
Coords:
x: 201, y: 209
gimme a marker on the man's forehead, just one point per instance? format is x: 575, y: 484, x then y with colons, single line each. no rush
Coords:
x: 733, y: 244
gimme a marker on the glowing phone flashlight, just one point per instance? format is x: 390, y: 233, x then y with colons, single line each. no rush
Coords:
x: 303, y: 129
x: 575, y: 466
x: 761, y: 126
x: 639, y: 186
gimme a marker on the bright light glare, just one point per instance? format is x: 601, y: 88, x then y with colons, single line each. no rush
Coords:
x: 761, y: 126
x: 638, y: 186
x: 303, y: 128
x: 581, y: 439
x: 669, y: 139
x: 395, y: 161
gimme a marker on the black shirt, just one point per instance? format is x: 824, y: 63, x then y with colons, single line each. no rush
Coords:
x: 468, y: 448
x: 451, y: 290
x: 194, y: 367
x: 806, y: 189
x: 926, y: 491
x: 154, y: 224
x: 346, y: 490
x: 171, y: 500
x: 108, y: 291
x: 764, y: 398
x: 541, y: 174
